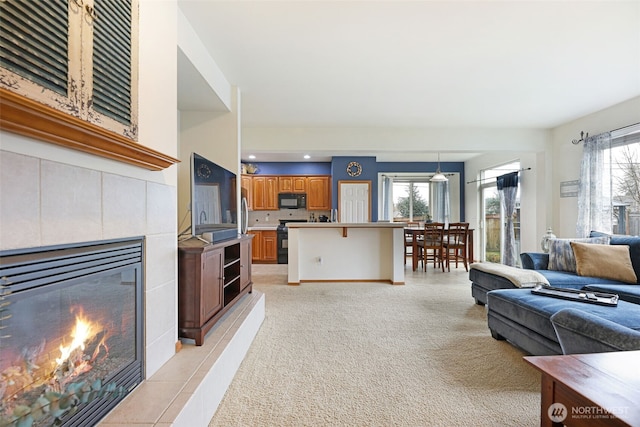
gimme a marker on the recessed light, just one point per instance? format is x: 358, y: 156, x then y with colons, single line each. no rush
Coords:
x: 251, y: 156
x: 306, y: 156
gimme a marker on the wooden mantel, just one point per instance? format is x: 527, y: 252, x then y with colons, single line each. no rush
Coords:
x: 26, y: 117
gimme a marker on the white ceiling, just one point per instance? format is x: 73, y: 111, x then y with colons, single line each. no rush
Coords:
x: 416, y: 64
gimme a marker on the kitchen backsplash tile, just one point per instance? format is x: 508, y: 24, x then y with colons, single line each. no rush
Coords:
x: 264, y: 218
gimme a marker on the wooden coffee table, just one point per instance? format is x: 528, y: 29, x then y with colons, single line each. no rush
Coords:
x: 599, y: 389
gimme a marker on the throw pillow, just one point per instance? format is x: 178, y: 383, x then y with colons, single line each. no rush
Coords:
x: 634, y: 249
x: 604, y: 261
x: 561, y: 256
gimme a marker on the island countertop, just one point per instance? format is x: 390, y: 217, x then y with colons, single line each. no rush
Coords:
x: 346, y: 224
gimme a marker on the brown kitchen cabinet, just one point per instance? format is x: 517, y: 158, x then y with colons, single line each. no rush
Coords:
x: 270, y: 246
x: 292, y: 184
x: 265, y: 246
x: 247, y: 185
x: 319, y: 193
x: 264, y: 192
x: 256, y: 248
x: 211, y: 278
x: 245, y: 263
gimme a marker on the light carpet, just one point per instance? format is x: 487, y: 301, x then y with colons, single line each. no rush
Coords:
x: 373, y: 354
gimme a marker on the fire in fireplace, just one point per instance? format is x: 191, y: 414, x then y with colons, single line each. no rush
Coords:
x: 71, y: 340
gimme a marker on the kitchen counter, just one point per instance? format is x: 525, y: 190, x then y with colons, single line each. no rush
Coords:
x: 346, y: 252
x: 273, y: 227
x: 347, y: 225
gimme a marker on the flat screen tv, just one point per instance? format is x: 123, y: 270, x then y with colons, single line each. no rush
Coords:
x: 214, y: 209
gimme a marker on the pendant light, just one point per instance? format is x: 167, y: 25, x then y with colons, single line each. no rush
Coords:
x: 439, y: 176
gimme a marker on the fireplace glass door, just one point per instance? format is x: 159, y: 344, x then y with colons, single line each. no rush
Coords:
x: 71, y: 336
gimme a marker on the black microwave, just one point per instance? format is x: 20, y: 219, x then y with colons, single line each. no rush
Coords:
x: 292, y: 201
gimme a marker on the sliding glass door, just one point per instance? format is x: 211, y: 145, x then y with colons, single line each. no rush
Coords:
x: 493, y: 223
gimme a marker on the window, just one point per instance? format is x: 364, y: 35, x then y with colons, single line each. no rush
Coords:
x: 608, y: 191
x: 411, y: 201
x: 625, y: 182
x: 411, y: 197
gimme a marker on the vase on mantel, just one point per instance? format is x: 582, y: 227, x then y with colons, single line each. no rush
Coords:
x: 545, y: 240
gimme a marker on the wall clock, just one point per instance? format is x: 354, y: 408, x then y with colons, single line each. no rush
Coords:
x: 354, y: 169
x: 204, y: 171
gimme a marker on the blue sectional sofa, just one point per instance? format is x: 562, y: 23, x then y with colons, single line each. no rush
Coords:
x: 579, y: 331
x: 524, y: 319
x: 483, y: 282
x: 536, y: 323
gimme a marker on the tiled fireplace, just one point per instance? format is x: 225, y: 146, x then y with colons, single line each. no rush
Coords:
x: 71, y: 336
x: 55, y: 197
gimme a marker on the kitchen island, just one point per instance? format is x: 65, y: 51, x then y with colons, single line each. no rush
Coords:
x: 346, y: 252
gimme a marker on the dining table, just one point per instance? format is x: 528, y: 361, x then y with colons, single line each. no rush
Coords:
x: 416, y: 232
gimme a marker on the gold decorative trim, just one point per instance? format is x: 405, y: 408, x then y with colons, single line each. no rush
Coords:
x: 23, y: 116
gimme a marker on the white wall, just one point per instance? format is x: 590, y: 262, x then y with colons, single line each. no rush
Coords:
x: 215, y: 136
x: 532, y: 147
x: 566, y: 157
x: 374, y: 140
x: 158, y: 129
x: 196, y: 53
x: 553, y: 160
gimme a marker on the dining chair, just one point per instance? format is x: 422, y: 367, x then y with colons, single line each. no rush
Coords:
x: 408, y: 240
x: 455, y: 244
x: 408, y: 245
x: 431, y: 245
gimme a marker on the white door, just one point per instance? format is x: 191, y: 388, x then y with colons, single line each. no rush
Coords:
x: 354, y: 202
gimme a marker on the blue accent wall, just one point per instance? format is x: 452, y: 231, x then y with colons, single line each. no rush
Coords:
x: 369, y: 173
x: 423, y: 167
x: 294, y: 168
x: 337, y: 168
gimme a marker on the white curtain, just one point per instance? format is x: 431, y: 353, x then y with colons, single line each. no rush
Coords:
x: 508, y: 190
x: 387, y: 199
x: 595, y: 207
x: 440, y: 210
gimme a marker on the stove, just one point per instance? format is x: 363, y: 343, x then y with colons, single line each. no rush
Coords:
x: 283, y: 242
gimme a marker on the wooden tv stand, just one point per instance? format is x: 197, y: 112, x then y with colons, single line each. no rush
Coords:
x: 212, y: 277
